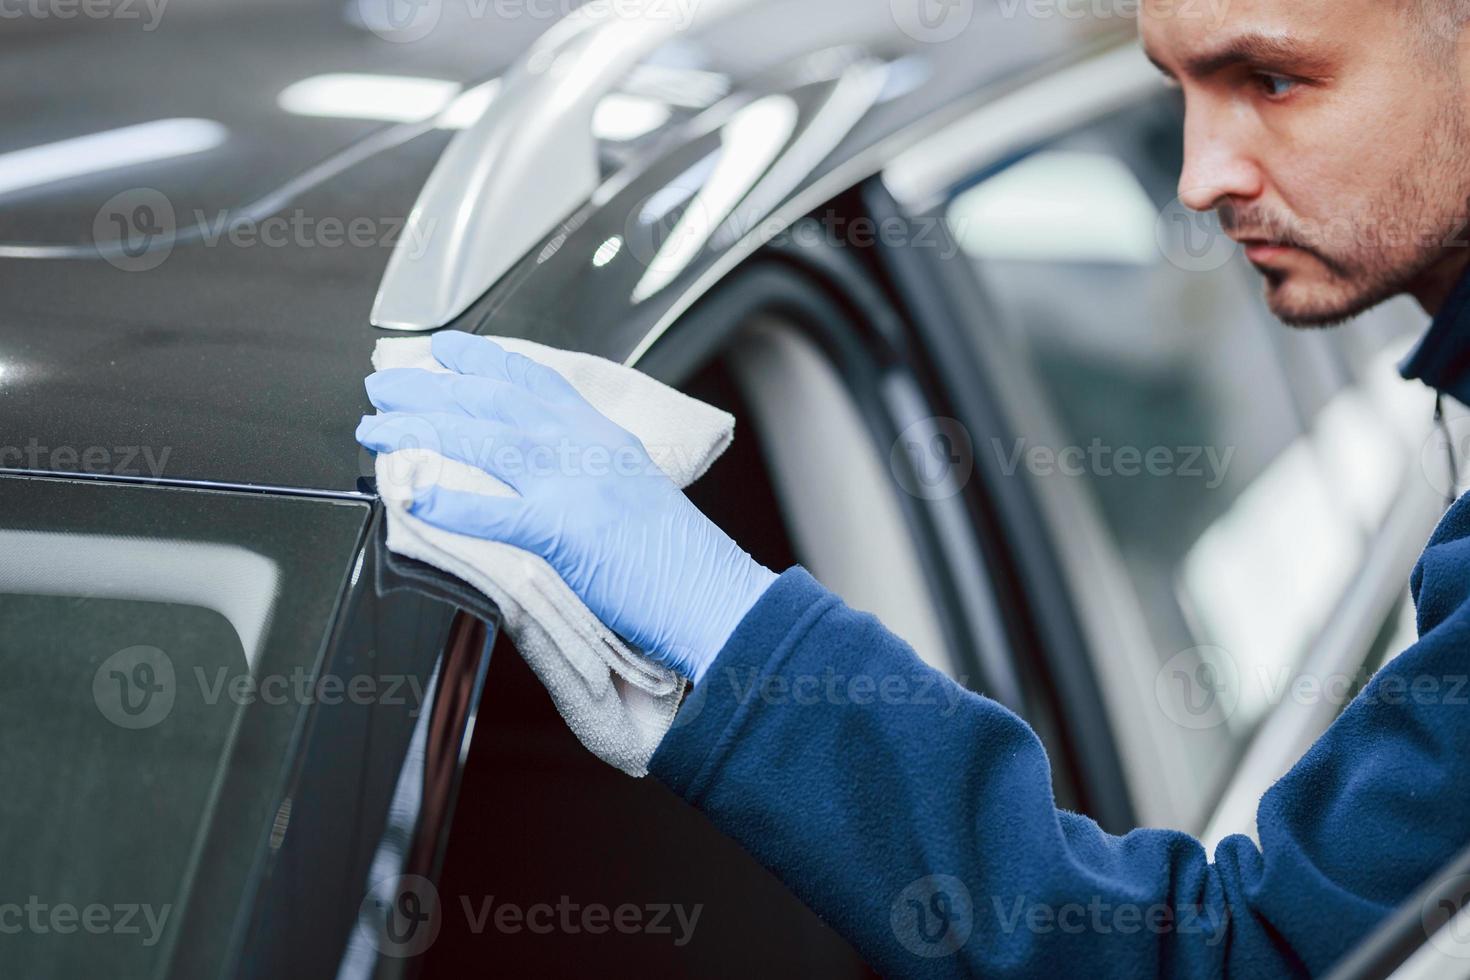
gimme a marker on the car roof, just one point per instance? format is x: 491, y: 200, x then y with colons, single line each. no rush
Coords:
x: 238, y: 359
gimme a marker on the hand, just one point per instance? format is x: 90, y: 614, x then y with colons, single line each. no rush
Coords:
x: 591, y: 501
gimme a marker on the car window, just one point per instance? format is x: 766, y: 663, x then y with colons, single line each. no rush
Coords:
x: 1239, y: 468
x: 829, y: 479
x: 155, y: 645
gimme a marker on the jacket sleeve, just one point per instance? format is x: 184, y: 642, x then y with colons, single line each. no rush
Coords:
x: 917, y: 818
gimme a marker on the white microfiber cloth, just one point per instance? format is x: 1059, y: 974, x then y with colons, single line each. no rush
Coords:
x: 617, y: 701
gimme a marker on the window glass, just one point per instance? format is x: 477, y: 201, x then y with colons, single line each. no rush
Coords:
x: 1238, y: 466
x: 153, y: 643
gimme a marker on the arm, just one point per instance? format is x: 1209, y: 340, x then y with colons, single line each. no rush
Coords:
x: 921, y: 825
x: 915, y: 816
x: 920, y: 822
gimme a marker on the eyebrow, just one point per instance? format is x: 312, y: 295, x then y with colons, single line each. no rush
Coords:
x: 1254, y: 48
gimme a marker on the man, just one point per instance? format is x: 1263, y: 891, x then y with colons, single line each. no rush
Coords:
x: 1331, y: 136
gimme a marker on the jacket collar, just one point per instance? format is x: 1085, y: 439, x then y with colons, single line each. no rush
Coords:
x: 1442, y: 357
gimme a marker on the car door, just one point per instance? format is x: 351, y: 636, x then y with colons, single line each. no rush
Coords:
x: 829, y: 398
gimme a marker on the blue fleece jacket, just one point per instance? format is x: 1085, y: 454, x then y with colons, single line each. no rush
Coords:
x: 917, y: 818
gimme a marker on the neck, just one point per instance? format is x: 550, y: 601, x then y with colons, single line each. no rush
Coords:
x: 1433, y: 286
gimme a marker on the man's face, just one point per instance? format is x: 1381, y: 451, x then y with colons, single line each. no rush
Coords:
x: 1332, y: 138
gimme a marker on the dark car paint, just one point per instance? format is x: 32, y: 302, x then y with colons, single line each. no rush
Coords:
x: 234, y: 365
x: 244, y: 363
x: 316, y: 866
x: 241, y: 366
x: 224, y: 61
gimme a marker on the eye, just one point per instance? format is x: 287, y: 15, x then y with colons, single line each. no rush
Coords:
x: 1275, y: 86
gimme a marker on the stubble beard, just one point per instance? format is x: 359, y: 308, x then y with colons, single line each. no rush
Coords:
x: 1393, y: 242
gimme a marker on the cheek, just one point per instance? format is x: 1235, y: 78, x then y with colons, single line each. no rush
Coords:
x: 1344, y: 156
x: 1312, y: 190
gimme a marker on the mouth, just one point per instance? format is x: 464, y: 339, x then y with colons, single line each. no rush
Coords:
x: 1263, y: 250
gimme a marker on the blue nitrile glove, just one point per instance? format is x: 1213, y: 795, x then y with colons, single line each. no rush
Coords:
x: 592, y: 502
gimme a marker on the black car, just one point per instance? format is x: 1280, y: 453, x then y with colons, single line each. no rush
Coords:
x: 927, y: 254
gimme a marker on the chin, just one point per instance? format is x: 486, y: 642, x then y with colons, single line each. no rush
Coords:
x: 1299, y: 304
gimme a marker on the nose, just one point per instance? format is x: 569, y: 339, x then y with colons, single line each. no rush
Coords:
x: 1217, y: 163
